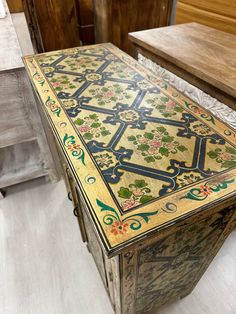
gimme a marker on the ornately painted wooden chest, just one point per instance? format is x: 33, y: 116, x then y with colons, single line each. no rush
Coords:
x: 152, y: 174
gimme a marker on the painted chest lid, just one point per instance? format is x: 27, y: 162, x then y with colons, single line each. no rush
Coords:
x: 144, y: 155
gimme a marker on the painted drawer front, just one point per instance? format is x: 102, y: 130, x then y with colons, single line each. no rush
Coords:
x: 142, y: 154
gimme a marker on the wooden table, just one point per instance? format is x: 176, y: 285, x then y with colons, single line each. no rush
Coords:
x: 203, y: 56
x: 152, y: 175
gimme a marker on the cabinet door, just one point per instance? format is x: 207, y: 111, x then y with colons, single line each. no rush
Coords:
x: 53, y: 24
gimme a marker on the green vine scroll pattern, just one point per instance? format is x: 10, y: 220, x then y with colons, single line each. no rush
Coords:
x: 75, y: 149
x: 55, y: 109
x: 120, y: 226
x: 201, y: 112
x: 40, y: 79
x: 201, y: 193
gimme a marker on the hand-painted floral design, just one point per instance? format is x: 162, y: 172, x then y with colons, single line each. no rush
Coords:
x: 104, y: 95
x: 47, y: 70
x: 189, y: 178
x: 144, y: 85
x: 46, y: 59
x: 200, y: 128
x: 137, y: 193
x: 37, y: 76
x: 81, y: 62
x: 121, y: 70
x: 93, y: 77
x: 202, y: 113
x: 120, y: 226
x: 75, y: 149
x: 69, y: 103
x: 210, y: 187
x: 90, y: 127
x: 53, y: 106
x: 62, y: 83
x: 226, y: 157
x: 156, y: 144
x: 105, y: 160
x: 165, y: 106
x: 129, y: 115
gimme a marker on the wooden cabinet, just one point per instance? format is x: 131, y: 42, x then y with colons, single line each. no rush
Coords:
x: 52, y: 24
x: 24, y: 150
x: 114, y: 19
x: 219, y: 14
x: 154, y: 196
x: 85, y: 16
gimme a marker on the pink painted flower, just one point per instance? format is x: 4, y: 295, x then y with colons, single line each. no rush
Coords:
x: 225, y: 156
x: 155, y: 143
x: 170, y: 146
x: 84, y: 128
x: 152, y: 151
x: 108, y: 94
x: 136, y: 191
x: 157, y: 135
x: 170, y: 104
x: 55, y: 84
x: 129, y: 204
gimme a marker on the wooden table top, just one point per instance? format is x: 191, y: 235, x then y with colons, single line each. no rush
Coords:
x: 143, y: 155
x: 207, y: 53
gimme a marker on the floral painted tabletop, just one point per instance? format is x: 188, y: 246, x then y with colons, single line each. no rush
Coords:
x: 142, y: 153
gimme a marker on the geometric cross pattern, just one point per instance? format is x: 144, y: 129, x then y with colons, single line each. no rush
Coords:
x: 144, y: 143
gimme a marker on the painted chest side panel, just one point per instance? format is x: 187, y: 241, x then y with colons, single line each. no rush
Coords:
x: 142, y: 153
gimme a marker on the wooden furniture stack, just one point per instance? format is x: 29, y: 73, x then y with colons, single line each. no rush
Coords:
x: 114, y: 19
x: 24, y: 151
x: 152, y: 175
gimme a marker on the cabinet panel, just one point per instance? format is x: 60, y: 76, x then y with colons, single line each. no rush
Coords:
x: 187, y: 13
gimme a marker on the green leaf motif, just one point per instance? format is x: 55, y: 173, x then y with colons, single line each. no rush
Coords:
x: 149, y: 159
x: 165, y: 99
x: 79, y: 121
x: 140, y: 183
x: 164, y: 151
x: 161, y: 129
x: 230, y: 150
x: 149, y: 136
x: 167, y: 139
x: 146, y: 198
x: 144, y: 147
x: 131, y: 138
x: 88, y: 136
x: 212, y: 154
x: 228, y: 164
x: 133, y: 221
x: 105, y: 132
x: 95, y: 125
x: 124, y: 193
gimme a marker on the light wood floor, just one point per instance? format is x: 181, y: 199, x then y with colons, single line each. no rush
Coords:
x: 46, y: 269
